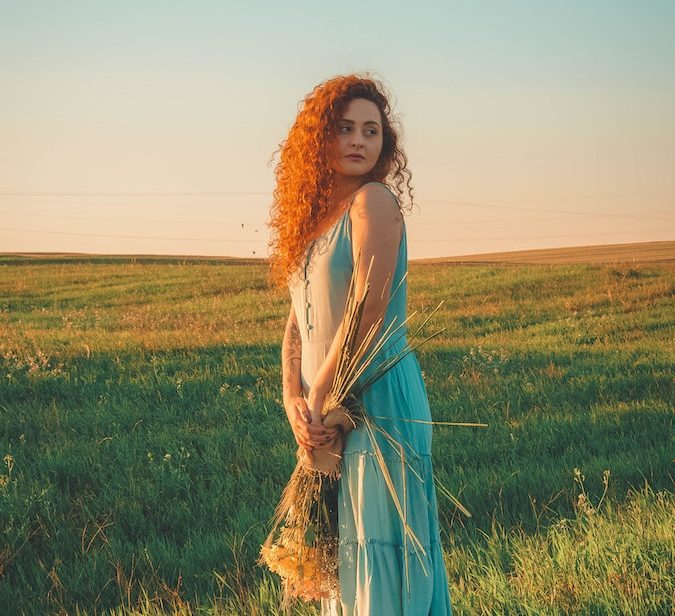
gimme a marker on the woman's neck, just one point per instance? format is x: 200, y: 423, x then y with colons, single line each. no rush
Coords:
x: 345, y: 186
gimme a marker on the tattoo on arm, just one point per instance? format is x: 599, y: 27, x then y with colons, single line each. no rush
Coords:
x: 295, y: 339
x: 292, y: 357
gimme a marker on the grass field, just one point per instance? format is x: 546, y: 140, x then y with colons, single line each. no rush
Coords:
x: 144, y: 446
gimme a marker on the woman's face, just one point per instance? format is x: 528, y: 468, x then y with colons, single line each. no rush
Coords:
x: 357, y: 143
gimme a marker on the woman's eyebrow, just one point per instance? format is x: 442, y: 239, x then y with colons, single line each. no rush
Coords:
x: 366, y: 122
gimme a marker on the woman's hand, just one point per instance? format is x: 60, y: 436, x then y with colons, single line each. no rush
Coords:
x: 308, y: 434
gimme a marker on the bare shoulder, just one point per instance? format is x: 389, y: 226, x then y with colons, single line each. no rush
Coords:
x: 375, y: 204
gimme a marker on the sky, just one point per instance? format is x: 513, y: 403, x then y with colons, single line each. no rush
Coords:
x: 138, y: 127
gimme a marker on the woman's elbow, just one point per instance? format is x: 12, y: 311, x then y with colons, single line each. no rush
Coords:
x: 373, y: 315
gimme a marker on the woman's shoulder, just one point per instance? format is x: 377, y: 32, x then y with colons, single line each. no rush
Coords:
x: 375, y: 190
x: 377, y: 202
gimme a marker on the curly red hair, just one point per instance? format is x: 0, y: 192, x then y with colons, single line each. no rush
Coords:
x: 304, y: 179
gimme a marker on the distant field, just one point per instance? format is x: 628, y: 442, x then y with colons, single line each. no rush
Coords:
x: 52, y: 258
x: 639, y: 252
x: 143, y: 447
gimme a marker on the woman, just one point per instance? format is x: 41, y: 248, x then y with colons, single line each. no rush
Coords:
x: 330, y: 204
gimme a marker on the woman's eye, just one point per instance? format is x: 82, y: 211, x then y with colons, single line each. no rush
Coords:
x: 344, y: 129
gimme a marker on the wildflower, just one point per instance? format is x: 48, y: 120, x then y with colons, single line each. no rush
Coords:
x: 9, y: 461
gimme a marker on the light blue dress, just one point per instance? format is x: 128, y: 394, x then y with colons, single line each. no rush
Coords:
x: 371, y: 538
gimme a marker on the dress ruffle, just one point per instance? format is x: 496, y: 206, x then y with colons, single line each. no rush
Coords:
x: 372, y: 548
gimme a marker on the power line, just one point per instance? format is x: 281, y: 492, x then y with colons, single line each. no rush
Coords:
x: 134, y: 237
x: 134, y: 194
x: 134, y: 220
x: 262, y: 225
x: 206, y: 239
x: 586, y: 213
x: 82, y: 193
x: 571, y: 214
x: 539, y: 209
x: 536, y: 237
x: 484, y: 221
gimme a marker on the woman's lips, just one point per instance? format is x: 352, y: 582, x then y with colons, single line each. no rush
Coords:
x: 355, y: 156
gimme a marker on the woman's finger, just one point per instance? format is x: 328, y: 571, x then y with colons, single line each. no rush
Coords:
x: 302, y: 403
x: 311, y: 434
x: 310, y: 428
x: 300, y: 420
x: 325, y: 444
x: 321, y: 441
x: 301, y: 427
x: 316, y: 435
x: 302, y: 409
x: 316, y: 429
x: 307, y: 434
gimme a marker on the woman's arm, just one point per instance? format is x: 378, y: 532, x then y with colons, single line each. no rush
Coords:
x: 377, y: 225
x: 291, y: 358
x: 306, y: 435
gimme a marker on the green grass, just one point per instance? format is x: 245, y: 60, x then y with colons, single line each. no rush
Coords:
x: 145, y: 447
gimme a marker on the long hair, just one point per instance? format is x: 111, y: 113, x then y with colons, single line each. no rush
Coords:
x: 304, y: 178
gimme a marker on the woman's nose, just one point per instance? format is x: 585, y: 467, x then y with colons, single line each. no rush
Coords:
x: 357, y: 138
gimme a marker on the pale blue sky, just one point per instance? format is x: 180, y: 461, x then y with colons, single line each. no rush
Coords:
x: 527, y: 124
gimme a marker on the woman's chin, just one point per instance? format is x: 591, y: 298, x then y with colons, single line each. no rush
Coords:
x: 352, y: 174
